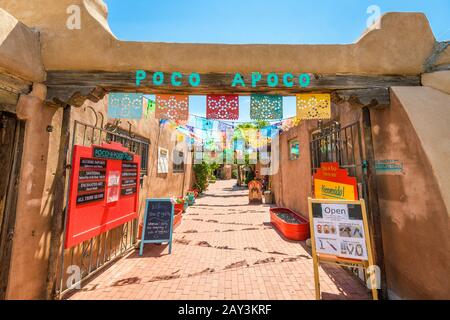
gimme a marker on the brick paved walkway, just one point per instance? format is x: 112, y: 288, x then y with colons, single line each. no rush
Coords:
x: 223, y: 249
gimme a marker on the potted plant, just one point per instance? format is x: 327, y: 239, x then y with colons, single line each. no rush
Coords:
x: 178, y: 203
x: 190, y: 198
x: 177, y: 217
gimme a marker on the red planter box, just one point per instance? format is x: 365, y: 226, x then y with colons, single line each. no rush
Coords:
x: 291, y: 231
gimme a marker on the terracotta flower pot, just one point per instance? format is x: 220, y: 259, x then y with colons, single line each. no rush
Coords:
x: 177, y: 218
x: 290, y: 224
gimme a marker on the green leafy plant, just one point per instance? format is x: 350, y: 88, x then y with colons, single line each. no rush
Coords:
x: 202, y: 172
x: 249, y: 176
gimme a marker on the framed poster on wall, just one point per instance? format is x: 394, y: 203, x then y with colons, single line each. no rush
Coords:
x: 163, y: 160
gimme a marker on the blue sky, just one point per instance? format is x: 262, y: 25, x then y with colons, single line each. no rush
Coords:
x: 259, y: 21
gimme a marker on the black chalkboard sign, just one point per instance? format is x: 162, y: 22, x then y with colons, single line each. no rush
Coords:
x: 158, y: 223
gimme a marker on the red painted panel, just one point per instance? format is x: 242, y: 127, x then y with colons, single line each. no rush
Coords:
x: 94, y: 209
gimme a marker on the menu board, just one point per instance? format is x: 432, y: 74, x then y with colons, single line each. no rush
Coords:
x: 92, y: 163
x: 158, y: 222
x: 99, y: 198
x: 91, y: 177
x: 87, y: 198
x: 339, y: 230
x: 129, y: 178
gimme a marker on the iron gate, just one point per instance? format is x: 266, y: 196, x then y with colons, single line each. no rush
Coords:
x: 331, y: 143
x: 79, y: 263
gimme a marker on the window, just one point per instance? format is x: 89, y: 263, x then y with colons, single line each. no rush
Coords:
x: 136, y: 144
x: 178, y: 161
x: 294, y: 150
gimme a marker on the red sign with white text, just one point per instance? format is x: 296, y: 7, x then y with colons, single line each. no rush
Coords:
x: 104, y: 190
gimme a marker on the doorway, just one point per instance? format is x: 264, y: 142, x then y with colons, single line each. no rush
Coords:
x: 11, y: 144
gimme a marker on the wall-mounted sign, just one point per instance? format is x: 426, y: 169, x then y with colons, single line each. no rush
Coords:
x: 388, y: 166
x: 92, y: 164
x: 339, y: 235
x: 158, y: 223
x: 332, y: 182
x: 91, y: 174
x: 91, y: 186
x: 104, y: 153
x: 99, y: 200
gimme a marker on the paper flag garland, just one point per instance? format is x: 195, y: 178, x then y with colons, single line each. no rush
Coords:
x: 149, y: 107
x: 125, y: 105
x: 174, y: 107
x: 266, y: 107
x: 313, y: 106
x: 221, y: 107
x: 204, y: 124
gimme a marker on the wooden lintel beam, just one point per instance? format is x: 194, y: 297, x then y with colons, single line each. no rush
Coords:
x: 221, y: 83
x: 11, y: 88
x: 73, y: 87
x: 7, y: 108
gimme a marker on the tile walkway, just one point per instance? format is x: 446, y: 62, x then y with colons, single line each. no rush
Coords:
x: 223, y: 249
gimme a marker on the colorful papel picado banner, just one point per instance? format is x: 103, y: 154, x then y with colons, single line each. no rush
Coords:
x: 125, y: 105
x: 173, y: 107
x: 266, y: 107
x: 313, y: 106
x: 222, y: 107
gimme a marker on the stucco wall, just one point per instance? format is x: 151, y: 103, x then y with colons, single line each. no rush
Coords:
x: 20, y: 50
x: 438, y: 80
x: 155, y: 185
x: 401, y: 46
x: 292, y: 184
x: 415, y: 221
x: 32, y: 235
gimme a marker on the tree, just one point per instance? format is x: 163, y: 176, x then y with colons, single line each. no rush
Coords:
x: 241, y: 133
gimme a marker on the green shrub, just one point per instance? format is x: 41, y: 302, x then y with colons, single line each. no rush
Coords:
x: 249, y: 177
x: 202, y: 172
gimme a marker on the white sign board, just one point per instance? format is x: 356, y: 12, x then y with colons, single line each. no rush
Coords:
x: 163, y: 160
x: 339, y: 230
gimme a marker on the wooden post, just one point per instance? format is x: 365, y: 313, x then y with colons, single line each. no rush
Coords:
x: 314, y: 253
x: 59, y: 195
x: 374, y: 218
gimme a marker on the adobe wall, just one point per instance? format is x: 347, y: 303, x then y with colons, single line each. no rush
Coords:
x: 155, y: 185
x: 31, y: 241
x: 415, y: 220
x: 32, y: 235
x: 401, y: 46
x: 20, y: 49
x: 292, y: 184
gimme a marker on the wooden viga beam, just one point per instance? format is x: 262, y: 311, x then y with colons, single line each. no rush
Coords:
x: 74, y: 86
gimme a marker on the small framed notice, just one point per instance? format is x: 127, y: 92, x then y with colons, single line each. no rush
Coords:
x: 340, y: 235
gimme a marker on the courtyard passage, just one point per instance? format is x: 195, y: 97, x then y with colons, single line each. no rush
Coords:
x: 223, y: 249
